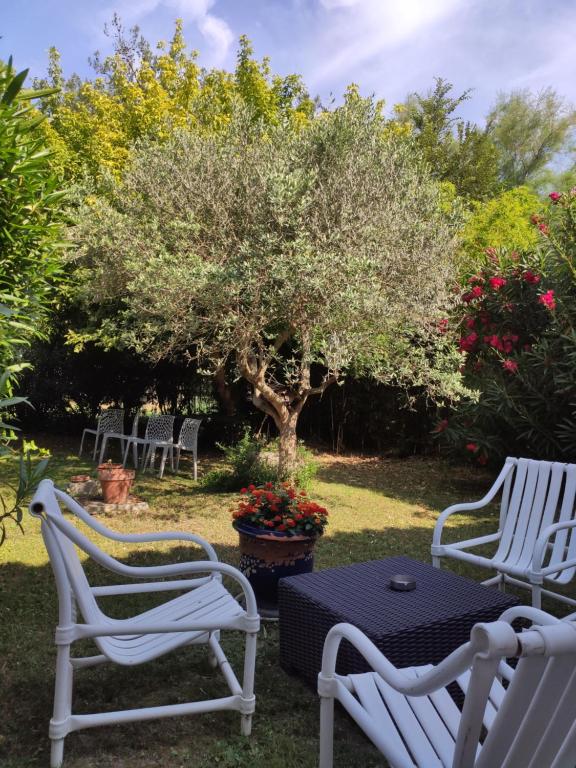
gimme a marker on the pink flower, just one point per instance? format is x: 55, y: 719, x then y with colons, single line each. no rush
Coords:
x: 472, y: 447
x: 475, y: 293
x: 530, y: 277
x: 494, y: 341
x: 548, y: 300
x: 554, y: 196
x: 544, y: 228
x: 497, y: 282
x: 467, y: 343
x: 510, y: 365
x: 469, y: 322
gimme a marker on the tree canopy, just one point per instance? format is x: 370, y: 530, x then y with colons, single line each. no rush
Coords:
x: 279, y: 247
x: 140, y: 92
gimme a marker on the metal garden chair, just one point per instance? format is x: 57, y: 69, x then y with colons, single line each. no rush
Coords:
x: 118, y: 436
x: 197, y: 616
x: 159, y: 429
x: 536, y: 544
x: 187, y: 441
x: 518, y: 718
x: 110, y: 420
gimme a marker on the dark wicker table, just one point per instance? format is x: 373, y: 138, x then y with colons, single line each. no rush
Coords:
x: 418, y: 627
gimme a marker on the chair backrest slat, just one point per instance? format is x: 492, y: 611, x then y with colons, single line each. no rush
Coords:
x: 561, y: 550
x: 531, y: 510
x: 188, y: 438
x: 160, y: 428
x: 514, y: 504
x: 111, y: 420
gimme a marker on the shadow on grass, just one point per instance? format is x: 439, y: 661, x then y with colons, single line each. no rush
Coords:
x: 286, y: 723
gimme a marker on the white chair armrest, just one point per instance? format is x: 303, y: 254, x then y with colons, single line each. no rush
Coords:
x: 108, y: 533
x: 436, y: 678
x: 541, y: 546
x: 156, y: 571
x: 469, y: 506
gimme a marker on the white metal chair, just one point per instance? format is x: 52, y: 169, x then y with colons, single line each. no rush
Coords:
x: 513, y: 718
x: 159, y: 429
x: 187, y: 441
x: 118, y: 436
x: 536, y: 542
x: 196, y: 616
x: 110, y: 420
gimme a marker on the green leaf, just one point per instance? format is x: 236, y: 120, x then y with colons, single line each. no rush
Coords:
x: 14, y: 87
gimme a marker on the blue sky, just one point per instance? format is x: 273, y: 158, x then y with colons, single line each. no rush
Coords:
x: 388, y: 47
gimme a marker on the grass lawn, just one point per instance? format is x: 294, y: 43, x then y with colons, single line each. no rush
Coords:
x: 378, y: 508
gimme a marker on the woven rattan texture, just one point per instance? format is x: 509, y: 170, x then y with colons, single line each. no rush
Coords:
x: 419, y: 627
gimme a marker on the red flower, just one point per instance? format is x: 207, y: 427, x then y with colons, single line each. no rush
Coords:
x: 491, y: 253
x: 469, y: 322
x: 544, y: 228
x: 282, y: 527
x: 441, y: 426
x: 548, y: 300
x: 475, y: 279
x: 443, y: 325
x: 243, y: 490
x: 467, y: 343
x: 534, y: 218
x: 475, y: 293
x: 554, y: 196
x: 510, y: 365
x: 497, y: 282
x: 482, y: 459
x: 494, y: 341
x: 530, y: 277
x: 472, y: 447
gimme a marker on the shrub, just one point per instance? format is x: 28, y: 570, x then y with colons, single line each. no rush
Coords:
x: 517, y: 331
x: 246, y: 466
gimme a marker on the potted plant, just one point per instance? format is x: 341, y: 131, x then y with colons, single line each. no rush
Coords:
x: 278, y: 528
x: 116, y: 482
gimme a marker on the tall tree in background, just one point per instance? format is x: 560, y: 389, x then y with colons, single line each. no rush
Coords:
x: 279, y: 248
x: 529, y: 130
x: 457, y: 151
x: 139, y: 92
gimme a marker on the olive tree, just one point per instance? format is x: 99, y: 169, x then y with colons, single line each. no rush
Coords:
x: 298, y: 253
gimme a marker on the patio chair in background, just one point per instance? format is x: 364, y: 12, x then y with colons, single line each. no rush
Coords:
x: 413, y: 720
x: 197, y: 616
x: 535, y: 536
x: 187, y: 441
x: 118, y: 436
x: 110, y: 420
x: 159, y: 429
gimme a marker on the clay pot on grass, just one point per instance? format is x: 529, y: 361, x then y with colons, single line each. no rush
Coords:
x: 116, y: 482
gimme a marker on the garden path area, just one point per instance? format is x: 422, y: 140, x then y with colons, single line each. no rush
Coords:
x: 378, y: 507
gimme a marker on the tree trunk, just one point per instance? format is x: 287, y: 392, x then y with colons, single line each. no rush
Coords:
x: 224, y: 392
x: 287, y: 456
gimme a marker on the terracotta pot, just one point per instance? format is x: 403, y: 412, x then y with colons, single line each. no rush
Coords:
x: 267, y: 556
x: 116, y: 482
x: 80, y: 478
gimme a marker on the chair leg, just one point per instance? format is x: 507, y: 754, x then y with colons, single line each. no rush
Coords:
x: 195, y: 457
x: 248, y: 683
x: 326, y: 732
x: 436, y: 562
x: 163, y: 461
x: 82, y: 443
x: 103, y: 449
x: 96, y: 438
x: 59, y: 726
x: 536, y: 596
x: 502, y: 583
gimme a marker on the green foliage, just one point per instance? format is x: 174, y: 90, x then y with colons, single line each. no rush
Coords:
x: 518, y: 333
x: 139, y: 92
x: 502, y: 223
x: 457, y: 151
x: 31, y: 217
x: 528, y: 130
x: 245, y: 466
x: 275, y: 246
x: 29, y: 472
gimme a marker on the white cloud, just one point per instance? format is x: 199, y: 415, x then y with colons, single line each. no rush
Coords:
x: 363, y: 29
x: 214, y: 29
